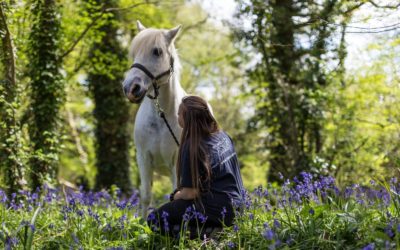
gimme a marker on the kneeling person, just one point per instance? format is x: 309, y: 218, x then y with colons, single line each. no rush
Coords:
x: 208, y: 175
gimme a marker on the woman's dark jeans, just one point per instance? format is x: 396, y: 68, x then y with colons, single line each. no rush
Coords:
x: 214, y: 211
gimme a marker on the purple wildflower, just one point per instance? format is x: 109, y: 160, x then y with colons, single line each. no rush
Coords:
x: 187, y: 215
x: 223, y: 213
x: 107, y: 228
x: 370, y: 246
x: 3, y: 197
x: 311, y: 211
x: 164, y: 216
x: 388, y: 230
x: 76, y: 239
x: 80, y: 212
x: 235, y: 228
x: 231, y: 245
x: 251, y: 216
x: 276, y: 223
x: 268, y: 234
x: 202, y: 218
x: 258, y: 191
x: 121, y: 221
x: 10, y: 242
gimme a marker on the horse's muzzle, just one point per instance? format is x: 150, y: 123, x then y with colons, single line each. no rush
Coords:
x: 134, y: 92
x: 139, y: 99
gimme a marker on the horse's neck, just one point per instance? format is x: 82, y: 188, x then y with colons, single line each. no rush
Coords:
x: 170, y: 95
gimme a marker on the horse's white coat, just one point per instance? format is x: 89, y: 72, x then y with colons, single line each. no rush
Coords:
x: 156, y: 149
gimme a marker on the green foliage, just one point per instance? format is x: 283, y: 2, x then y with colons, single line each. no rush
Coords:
x: 310, y: 213
x: 363, y: 130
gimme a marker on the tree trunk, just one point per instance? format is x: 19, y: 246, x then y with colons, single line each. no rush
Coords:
x: 47, y: 91
x: 10, y: 148
x: 111, y: 112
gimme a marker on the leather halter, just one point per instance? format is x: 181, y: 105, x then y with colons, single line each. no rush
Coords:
x: 154, y: 79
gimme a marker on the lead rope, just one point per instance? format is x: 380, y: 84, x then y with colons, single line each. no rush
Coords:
x: 162, y: 115
x: 161, y: 112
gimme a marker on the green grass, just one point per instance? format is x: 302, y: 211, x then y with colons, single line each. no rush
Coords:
x: 307, y: 214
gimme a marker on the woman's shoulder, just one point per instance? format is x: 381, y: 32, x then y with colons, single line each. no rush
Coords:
x: 219, y: 139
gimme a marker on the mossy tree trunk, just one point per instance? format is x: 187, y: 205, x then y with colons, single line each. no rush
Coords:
x: 111, y: 112
x: 47, y: 91
x: 10, y: 138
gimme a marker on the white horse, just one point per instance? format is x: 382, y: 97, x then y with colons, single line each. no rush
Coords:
x: 154, y: 79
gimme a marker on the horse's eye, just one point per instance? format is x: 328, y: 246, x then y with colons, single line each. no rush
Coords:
x: 157, y: 51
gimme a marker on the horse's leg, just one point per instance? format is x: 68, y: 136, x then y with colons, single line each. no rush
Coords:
x: 146, y: 181
x: 172, y: 177
x: 172, y: 168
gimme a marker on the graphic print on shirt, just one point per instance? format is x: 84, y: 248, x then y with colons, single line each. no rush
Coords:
x: 224, y: 151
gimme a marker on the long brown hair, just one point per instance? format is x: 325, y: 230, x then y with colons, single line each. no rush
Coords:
x: 198, y: 123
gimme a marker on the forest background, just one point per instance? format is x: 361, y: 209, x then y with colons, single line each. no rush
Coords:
x: 299, y: 85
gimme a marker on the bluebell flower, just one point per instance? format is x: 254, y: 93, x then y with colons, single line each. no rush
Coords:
x: 223, y: 213
x: 370, y: 246
x: 122, y: 220
x: 259, y: 191
x: 311, y: 211
x: 75, y: 238
x: 388, y: 230
x: 268, y: 234
x: 387, y: 244
x: 164, y: 216
x: 251, y: 216
x: 398, y: 228
x: 3, y: 196
x: 10, y: 242
x: 121, y: 205
x: 348, y: 192
x: 235, y: 228
x: 202, y: 218
x: 276, y: 223
x: 80, y: 213
x: 107, y: 228
x: 187, y: 216
x: 231, y: 245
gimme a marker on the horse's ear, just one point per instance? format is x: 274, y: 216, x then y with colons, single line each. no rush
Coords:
x: 140, y: 26
x: 173, y: 33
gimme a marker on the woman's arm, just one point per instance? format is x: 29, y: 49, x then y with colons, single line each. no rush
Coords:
x: 186, y: 194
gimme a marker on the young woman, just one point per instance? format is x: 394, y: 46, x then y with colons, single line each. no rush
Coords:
x: 208, y: 174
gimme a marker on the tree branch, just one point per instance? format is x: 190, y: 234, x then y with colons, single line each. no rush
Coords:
x: 192, y: 26
x: 91, y: 24
x: 384, y: 6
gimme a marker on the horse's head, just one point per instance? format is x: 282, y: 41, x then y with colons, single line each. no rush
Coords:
x: 152, y: 51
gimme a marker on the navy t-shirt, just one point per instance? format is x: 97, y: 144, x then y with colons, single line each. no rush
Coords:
x: 225, y: 174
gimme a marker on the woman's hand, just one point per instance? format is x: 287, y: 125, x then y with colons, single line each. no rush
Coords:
x: 186, y: 194
x: 171, y: 196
